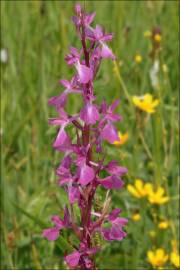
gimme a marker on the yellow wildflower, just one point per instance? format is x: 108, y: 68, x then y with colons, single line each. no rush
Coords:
x: 122, y: 138
x: 157, y: 38
x: 157, y: 258
x: 145, y: 103
x: 174, y: 256
x: 138, y: 58
x: 157, y: 197
x: 139, y: 189
x: 147, y: 34
x: 175, y: 259
x: 136, y: 217
x: 164, y: 224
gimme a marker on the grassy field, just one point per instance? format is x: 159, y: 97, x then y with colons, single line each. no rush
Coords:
x: 36, y: 35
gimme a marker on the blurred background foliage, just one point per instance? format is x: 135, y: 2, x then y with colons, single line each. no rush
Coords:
x: 35, y: 36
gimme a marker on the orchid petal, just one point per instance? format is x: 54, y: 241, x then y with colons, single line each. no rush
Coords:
x: 89, y: 18
x: 120, y: 221
x: 57, y: 222
x: 59, y: 101
x: 111, y: 182
x: 51, y: 234
x: 86, y: 175
x: 84, y: 72
x: 106, y: 52
x: 109, y: 133
x: 114, y: 214
x: 113, y: 168
x: 61, y: 137
x: 89, y: 114
x: 73, y: 259
x: 66, y: 84
x: 74, y: 194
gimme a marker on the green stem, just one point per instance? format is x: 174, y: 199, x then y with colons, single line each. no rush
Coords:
x: 145, y: 145
x: 122, y: 83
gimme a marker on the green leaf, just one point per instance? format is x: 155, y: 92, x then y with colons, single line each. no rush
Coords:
x: 35, y: 219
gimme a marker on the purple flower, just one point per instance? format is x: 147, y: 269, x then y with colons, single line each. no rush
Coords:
x: 106, y: 52
x: 80, y: 137
x: 64, y: 166
x: 97, y: 34
x: 59, y: 101
x: 111, y: 182
x: 115, y: 232
x: 86, y: 174
x: 73, y: 259
x: 89, y: 114
x: 74, y: 194
x: 52, y: 233
x: 108, y: 112
x: 114, y: 168
x: 71, y: 87
x: 61, y: 137
x: 109, y: 133
x: 73, y: 56
x: 86, y: 20
x: 63, y: 120
x: 84, y: 72
x: 114, y: 214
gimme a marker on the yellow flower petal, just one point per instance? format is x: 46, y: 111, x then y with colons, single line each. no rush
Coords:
x: 157, y: 258
x: 139, y: 186
x: 175, y: 259
x: 151, y: 257
x: 156, y: 197
x: 163, y: 224
x: 163, y: 200
x: 135, y: 100
x: 148, y: 188
x: 148, y: 98
x: 122, y: 138
x: 133, y: 191
x: 138, y: 58
x: 136, y: 217
x: 160, y: 253
x: 160, y: 191
x: 145, y: 103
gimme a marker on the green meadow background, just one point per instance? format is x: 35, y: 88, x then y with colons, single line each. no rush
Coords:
x: 37, y: 35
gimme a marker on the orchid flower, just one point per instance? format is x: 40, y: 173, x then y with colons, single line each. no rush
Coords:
x: 80, y: 170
